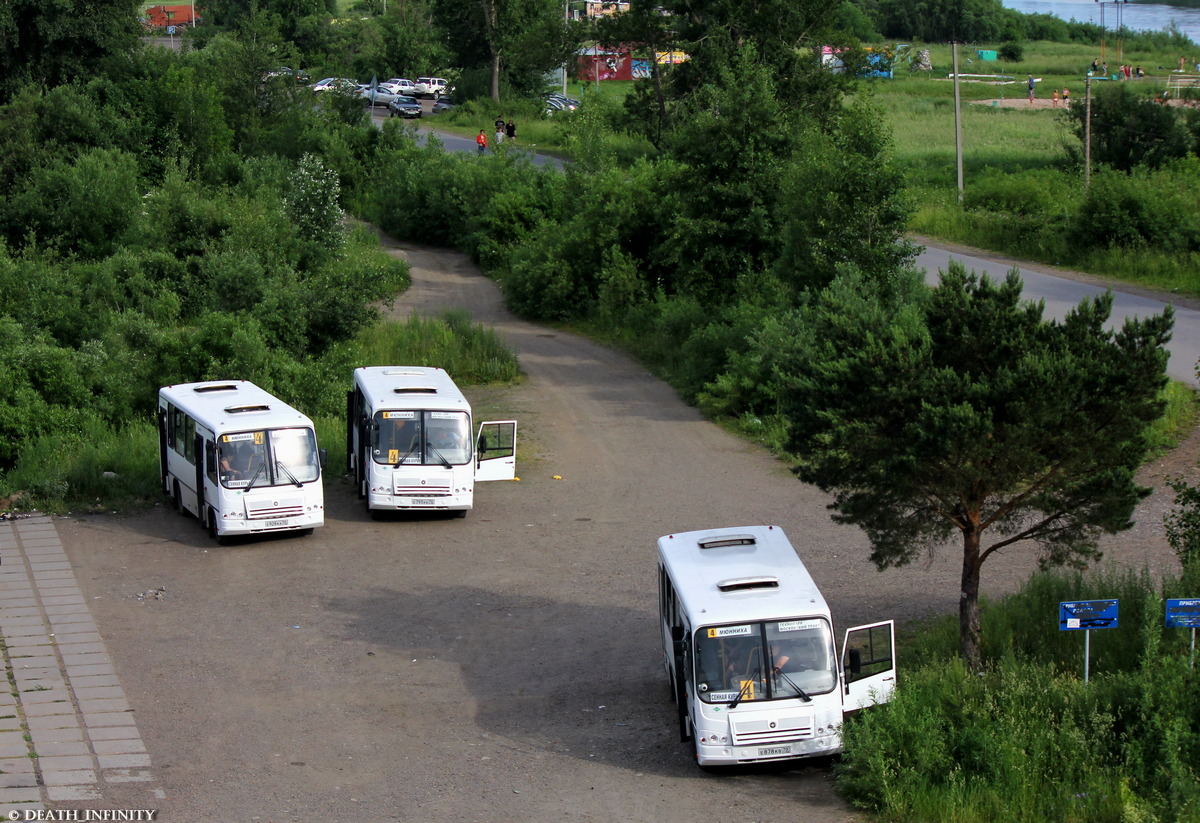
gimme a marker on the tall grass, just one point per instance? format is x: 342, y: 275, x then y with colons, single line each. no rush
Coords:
x: 93, y: 468
x: 1026, y: 739
x: 1178, y: 419
x: 471, y: 353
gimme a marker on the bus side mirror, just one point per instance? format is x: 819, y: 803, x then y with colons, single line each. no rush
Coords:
x: 678, y: 641
x: 855, y: 656
x: 323, y: 456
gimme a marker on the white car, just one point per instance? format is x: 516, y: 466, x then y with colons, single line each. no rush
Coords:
x: 433, y: 87
x: 383, y: 94
x: 341, y: 84
x: 401, y: 86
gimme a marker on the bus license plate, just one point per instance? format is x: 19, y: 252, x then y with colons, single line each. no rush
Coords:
x: 422, y: 501
x: 775, y: 751
x: 277, y: 524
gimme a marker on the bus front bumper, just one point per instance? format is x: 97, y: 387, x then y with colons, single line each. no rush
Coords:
x: 719, y: 754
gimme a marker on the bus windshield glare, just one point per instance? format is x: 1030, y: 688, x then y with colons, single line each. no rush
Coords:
x: 274, y: 457
x: 770, y: 660
x: 430, y: 438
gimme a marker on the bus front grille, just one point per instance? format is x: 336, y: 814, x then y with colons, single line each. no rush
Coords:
x: 422, y: 491
x: 272, y: 510
x: 753, y: 731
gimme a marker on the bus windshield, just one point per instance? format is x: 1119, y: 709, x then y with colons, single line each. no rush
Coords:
x: 271, y: 457
x: 414, y: 437
x: 770, y: 660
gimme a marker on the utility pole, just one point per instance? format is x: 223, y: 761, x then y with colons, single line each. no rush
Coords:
x: 958, y: 153
x: 1087, y: 132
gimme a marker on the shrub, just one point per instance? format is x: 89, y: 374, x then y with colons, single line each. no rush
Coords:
x: 1011, y: 52
x: 1160, y: 209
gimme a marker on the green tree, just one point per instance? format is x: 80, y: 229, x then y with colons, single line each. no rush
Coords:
x: 52, y: 43
x: 643, y: 28
x: 1130, y: 130
x: 970, y: 414
x: 515, y: 42
x: 843, y: 202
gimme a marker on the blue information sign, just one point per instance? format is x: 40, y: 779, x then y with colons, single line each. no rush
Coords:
x: 1183, y: 614
x: 1087, y: 614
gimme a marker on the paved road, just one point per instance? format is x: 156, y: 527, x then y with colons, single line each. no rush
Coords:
x: 1061, y: 293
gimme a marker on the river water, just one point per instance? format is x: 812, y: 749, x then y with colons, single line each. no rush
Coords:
x: 1136, y: 16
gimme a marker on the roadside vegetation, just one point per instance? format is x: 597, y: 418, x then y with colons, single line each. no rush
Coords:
x: 1026, y: 738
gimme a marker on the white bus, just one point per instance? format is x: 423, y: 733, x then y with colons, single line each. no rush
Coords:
x: 748, y: 646
x: 409, y: 445
x: 239, y: 459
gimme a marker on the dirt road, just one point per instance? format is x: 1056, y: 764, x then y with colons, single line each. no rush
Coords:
x: 505, y: 667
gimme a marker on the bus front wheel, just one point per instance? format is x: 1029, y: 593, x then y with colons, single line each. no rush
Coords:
x: 221, y: 539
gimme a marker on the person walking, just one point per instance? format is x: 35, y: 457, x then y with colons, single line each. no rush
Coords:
x: 499, y: 128
x: 1031, y: 87
x: 1055, y: 98
x: 1066, y: 98
x: 510, y: 129
x: 481, y: 141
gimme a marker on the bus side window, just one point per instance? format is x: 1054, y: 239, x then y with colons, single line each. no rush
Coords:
x: 210, y: 460
x: 177, y: 441
x: 189, y: 440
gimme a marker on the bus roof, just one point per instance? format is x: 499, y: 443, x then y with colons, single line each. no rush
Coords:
x: 744, y: 573
x: 409, y: 387
x: 232, y: 405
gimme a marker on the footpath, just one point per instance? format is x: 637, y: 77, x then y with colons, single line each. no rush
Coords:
x: 66, y: 729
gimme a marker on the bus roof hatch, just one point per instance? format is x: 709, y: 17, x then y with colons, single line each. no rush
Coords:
x: 740, y: 584
x: 728, y: 540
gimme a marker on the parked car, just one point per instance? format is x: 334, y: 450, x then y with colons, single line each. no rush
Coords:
x: 341, y: 84
x: 562, y: 102
x: 382, y: 95
x: 299, y: 75
x: 556, y: 104
x: 433, y: 87
x: 401, y: 85
x: 404, y: 107
x: 443, y: 104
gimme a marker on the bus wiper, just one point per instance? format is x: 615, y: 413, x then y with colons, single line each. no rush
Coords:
x: 745, y: 689
x: 791, y: 683
x: 279, y: 463
x: 404, y: 457
x: 440, y: 456
x: 254, y: 476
